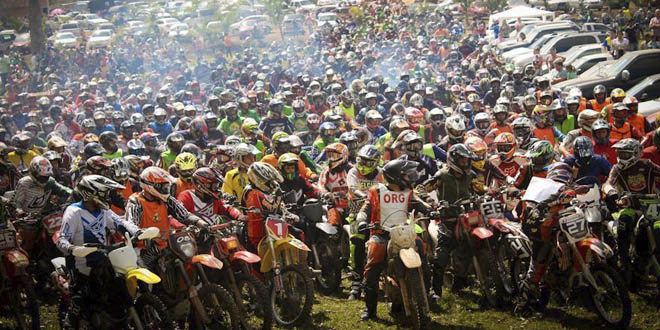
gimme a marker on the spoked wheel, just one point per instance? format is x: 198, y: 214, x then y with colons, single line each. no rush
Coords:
x: 24, y: 305
x: 610, y: 298
x: 330, y: 277
x: 292, y: 304
x: 419, y: 318
x: 153, y: 314
x: 504, y: 263
x: 490, y: 282
x: 220, y: 308
x: 255, y: 302
x: 518, y: 270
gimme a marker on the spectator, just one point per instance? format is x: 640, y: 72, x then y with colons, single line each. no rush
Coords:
x: 654, y: 24
x: 620, y: 45
x: 632, y: 30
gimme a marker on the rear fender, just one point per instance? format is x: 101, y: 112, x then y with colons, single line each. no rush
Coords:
x: 207, y: 260
x: 482, y: 233
x: 246, y: 256
x: 410, y: 258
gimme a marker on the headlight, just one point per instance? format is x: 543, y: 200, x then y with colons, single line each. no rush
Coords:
x: 188, y: 249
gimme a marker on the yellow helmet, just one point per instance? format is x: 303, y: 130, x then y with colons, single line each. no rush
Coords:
x: 288, y: 159
x: 185, y: 161
x: 264, y: 177
x: 618, y: 93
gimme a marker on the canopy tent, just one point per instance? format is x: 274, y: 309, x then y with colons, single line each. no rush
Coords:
x: 521, y: 11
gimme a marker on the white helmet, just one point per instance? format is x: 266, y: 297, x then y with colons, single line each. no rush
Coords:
x: 96, y: 189
x: 455, y: 126
x: 416, y: 100
x: 156, y: 181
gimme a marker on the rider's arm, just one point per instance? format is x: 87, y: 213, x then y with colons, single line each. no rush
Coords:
x: 134, y: 211
x: 178, y: 212
x: 114, y: 222
x: 352, y: 183
x: 20, y: 196
x: 71, y: 223
x: 559, y: 136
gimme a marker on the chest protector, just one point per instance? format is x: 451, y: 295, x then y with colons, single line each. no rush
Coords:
x: 154, y: 214
x: 393, y: 205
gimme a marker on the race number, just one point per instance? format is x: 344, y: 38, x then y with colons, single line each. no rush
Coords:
x: 7, y: 239
x: 575, y: 225
x: 652, y: 211
x: 277, y: 228
x: 492, y: 209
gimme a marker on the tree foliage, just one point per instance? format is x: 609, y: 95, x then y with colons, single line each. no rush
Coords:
x: 495, y: 5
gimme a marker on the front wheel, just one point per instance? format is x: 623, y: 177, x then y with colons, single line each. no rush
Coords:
x: 611, y: 299
x: 504, y: 262
x: 490, y: 281
x: 255, y: 302
x: 419, y: 319
x: 153, y: 314
x: 330, y: 278
x: 24, y: 304
x: 220, y: 308
x: 292, y: 304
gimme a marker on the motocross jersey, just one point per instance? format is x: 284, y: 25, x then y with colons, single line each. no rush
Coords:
x: 254, y: 199
x: 509, y: 167
x: 231, y: 127
x: 335, y: 182
x: 450, y: 188
x: 358, y: 184
x: 426, y: 167
x: 488, y: 175
x: 642, y: 177
x: 32, y: 198
x: 299, y: 123
x: 210, y: 212
x: 235, y: 181
x: 80, y: 226
x: 388, y: 207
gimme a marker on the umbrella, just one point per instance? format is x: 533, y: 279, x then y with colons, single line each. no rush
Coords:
x: 57, y: 11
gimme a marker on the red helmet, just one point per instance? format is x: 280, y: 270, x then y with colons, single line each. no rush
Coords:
x: 415, y: 118
x: 207, y: 182
x: 198, y: 125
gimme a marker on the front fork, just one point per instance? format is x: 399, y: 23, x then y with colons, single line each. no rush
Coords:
x: 192, y: 290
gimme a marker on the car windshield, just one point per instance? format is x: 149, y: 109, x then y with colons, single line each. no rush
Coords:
x: 69, y: 26
x: 66, y: 35
x: 637, y: 89
x: 618, y: 66
x: 327, y: 17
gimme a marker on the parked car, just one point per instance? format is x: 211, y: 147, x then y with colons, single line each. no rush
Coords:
x: 511, y: 55
x: 136, y: 27
x: 246, y: 25
x: 65, y: 40
x: 595, y: 27
x: 106, y: 26
x: 561, y: 43
x: 89, y: 21
x: 585, y: 63
x: 579, y: 51
x: 7, y: 37
x: 164, y: 24
x: 300, y: 6
x: 628, y: 70
x: 293, y: 25
x: 327, y: 18
x: 71, y: 26
x: 100, y: 39
x: 647, y: 89
x: 537, y: 33
x: 179, y: 30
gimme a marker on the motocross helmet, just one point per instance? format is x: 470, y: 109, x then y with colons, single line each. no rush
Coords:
x: 401, y: 172
x: 288, y: 166
x: 505, y: 144
x: 265, y: 177
x: 541, y: 154
x: 459, y: 158
x: 597, y: 126
x: 628, y: 152
x: 367, y: 159
x: 96, y: 189
x: 479, y: 148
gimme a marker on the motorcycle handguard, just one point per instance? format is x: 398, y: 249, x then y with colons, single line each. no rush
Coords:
x: 410, y: 258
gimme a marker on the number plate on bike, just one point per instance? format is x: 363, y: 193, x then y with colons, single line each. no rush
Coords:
x: 651, y: 209
x: 277, y: 228
x: 7, y: 239
x: 574, y: 226
x: 492, y: 209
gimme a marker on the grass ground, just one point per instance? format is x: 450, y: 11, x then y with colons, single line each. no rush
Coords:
x: 453, y: 311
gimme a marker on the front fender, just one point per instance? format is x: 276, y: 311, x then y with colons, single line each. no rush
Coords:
x: 327, y: 228
x: 594, y: 245
x: 17, y: 258
x: 207, y: 260
x: 140, y: 274
x: 410, y: 258
x: 278, y: 246
x: 246, y: 256
x: 482, y: 233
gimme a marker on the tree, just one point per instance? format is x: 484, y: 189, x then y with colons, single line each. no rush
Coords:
x: 466, y: 4
x: 37, y: 34
x: 495, y: 5
x: 275, y: 8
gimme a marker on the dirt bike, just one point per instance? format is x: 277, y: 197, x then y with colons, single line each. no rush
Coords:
x: 283, y: 261
x: 594, y: 208
x: 36, y: 231
x: 578, y: 261
x: 237, y: 277
x: 509, y: 241
x: 118, y: 300
x: 323, y: 239
x: 473, y: 239
x: 404, y: 276
x: 185, y: 285
x: 647, y: 262
x: 16, y: 291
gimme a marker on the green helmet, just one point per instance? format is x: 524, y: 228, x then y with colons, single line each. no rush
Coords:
x: 541, y: 154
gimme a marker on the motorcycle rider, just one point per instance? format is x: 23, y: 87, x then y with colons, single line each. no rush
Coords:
x: 455, y: 127
x: 586, y: 118
x: 599, y: 102
x: 523, y: 131
x: 389, y: 202
x: 87, y: 222
x: 33, y: 191
x: 236, y: 179
x: 205, y: 199
x: 540, y: 154
x: 412, y: 147
x: 621, y: 128
x: 174, y: 143
x: 185, y: 165
x: 506, y: 158
x: 633, y: 174
x: 333, y: 180
x: 485, y: 172
x: 602, y: 144
x: 587, y: 163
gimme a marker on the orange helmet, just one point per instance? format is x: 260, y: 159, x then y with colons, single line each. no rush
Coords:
x: 89, y: 138
x: 337, y: 154
x: 156, y: 181
x: 479, y: 148
x: 506, y: 145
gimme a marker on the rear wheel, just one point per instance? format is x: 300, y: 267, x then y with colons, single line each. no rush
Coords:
x: 220, y: 308
x: 292, y: 304
x: 504, y: 262
x: 153, y: 313
x: 24, y: 304
x: 255, y: 302
x: 610, y: 298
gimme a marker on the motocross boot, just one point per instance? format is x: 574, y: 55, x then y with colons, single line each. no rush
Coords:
x: 371, y: 300
x: 356, y: 287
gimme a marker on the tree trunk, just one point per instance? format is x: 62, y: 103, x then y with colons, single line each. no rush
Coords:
x: 37, y: 37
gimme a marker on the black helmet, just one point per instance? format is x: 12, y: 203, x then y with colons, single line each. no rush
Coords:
x: 92, y: 149
x: 457, y: 151
x: 401, y: 172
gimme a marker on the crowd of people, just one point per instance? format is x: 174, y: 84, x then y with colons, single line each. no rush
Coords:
x: 393, y: 102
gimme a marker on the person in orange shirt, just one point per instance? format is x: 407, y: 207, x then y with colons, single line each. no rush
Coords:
x: 599, y: 101
x: 638, y: 121
x: 621, y: 129
x: 281, y: 145
x: 653, y: 152
x: 119, y: 173
x: 543, y: 125
x: 616, y: 96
